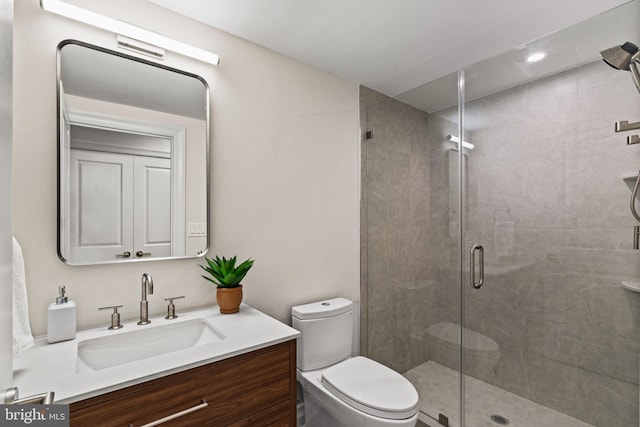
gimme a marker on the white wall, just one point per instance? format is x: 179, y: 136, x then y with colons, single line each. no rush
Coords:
x: 6, y: 23
x: 284, y: 181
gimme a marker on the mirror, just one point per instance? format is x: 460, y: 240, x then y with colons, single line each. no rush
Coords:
x: 133, y: 172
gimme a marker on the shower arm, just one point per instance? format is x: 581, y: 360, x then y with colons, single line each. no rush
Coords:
x: 635, y: 75
x: 634, y: 193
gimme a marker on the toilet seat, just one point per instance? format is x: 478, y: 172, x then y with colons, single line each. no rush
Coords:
x: 371, y: 388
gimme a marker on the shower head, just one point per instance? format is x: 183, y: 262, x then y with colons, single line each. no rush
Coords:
x: 619, y: 57
x: 624, y: 57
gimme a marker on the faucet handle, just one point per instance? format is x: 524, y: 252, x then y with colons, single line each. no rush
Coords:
x: 171, y: 308
x: 115, y: 316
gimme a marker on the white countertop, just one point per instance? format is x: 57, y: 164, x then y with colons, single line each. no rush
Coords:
x: 52, y: 367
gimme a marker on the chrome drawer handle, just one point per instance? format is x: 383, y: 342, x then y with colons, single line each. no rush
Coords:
x: 141, y: 254
x: 125, y: 254
x: 203, y: 405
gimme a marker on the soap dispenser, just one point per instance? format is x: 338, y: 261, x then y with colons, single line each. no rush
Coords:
x: 61, y: 319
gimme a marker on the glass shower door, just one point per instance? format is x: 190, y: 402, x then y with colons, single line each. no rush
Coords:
x: 496, y: 235
x: 551, y: 337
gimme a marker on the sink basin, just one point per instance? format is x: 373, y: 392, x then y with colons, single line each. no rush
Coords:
x: 113, y: 350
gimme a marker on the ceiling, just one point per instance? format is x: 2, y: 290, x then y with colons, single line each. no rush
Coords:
x: 392, y: 46
x: 565, y: 49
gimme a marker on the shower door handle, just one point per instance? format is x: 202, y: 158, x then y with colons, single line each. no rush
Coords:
x: 472, y: 267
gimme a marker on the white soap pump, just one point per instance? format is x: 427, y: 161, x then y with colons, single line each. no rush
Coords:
x: 61, y: 319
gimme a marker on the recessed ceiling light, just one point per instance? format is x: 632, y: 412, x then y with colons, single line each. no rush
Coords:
x: 536, y: 56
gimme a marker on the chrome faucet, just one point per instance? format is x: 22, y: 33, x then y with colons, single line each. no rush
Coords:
x: 147, y: 286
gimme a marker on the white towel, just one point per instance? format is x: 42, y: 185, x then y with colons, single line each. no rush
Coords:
x: 22, y: 337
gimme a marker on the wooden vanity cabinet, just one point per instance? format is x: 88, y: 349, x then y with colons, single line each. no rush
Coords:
x: 252, y: 389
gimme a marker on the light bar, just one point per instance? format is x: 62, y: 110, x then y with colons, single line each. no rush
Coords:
x: 100, y: 21
x: 455, y: 139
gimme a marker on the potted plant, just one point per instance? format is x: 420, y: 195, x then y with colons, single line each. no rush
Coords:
x: 227, y: 277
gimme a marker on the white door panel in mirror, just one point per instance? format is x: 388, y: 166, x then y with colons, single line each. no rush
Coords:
x: 122, y: 204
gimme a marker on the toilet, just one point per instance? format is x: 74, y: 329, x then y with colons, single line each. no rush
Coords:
x: 340, y: 390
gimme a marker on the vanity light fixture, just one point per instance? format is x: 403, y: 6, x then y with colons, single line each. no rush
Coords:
x: 127, y: 30
x: 456, y: 140
x: 536, y: 56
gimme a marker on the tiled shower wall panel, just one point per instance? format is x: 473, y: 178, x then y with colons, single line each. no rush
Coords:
x: 397, y: 289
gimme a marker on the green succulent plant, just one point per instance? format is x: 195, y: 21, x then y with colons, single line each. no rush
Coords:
x: 224, y: 272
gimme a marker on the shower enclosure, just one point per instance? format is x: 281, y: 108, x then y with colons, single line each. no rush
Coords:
x: 508, y: 175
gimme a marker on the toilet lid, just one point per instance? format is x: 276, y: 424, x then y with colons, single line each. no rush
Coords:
x: 372, y: 388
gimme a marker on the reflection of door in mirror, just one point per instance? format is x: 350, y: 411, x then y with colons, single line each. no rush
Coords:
x: 125, y: 199
x: 121, y: 201
x: 133, y: 149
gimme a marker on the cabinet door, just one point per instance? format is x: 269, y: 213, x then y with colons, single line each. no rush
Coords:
x: 101, y: 223
x: 252, y: 389
x: 152, y: 206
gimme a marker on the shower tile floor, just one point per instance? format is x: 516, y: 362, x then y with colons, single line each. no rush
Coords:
x: 438, y: 388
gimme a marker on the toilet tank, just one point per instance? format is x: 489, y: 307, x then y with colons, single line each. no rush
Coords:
x: 326, y: 332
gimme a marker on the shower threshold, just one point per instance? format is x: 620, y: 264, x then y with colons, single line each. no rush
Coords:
x: 486, y: 405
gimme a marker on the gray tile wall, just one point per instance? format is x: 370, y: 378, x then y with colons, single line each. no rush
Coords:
x: 396, y: 289
x: 545, y: 197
